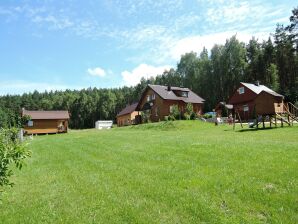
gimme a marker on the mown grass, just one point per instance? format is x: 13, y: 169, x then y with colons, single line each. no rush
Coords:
x: 174, y: 172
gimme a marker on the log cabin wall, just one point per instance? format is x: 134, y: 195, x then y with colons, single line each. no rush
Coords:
x: 44, y: 126
x: 127, y: 119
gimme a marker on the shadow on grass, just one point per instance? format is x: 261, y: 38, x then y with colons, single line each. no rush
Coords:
x: 260, y: 129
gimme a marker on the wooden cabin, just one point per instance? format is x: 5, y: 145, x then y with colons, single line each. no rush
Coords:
x: 127, y: 116
x: 158, y: 100
x: 46, y: 122
x: 250, y: 100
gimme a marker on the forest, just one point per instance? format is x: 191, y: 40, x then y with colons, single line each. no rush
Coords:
x: 213, y: 75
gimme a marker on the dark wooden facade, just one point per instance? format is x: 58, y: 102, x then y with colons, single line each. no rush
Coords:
x: 254, y: 100
x: 160, y: 107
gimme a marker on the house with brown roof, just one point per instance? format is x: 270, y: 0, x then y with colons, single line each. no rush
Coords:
x: 158, y: 100
x: 127, y: 116
x: 45, y: 122
x: 250, y: 100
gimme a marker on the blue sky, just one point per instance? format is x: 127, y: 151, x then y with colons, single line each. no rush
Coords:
x: 48, y: 45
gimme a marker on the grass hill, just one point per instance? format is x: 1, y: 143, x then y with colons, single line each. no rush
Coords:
x: 168, y: 172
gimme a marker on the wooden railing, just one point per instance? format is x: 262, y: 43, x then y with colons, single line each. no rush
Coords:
x: 292, y: 109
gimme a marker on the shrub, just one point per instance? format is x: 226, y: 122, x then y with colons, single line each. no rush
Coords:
x: 206, y: 116
x: 172, y: 118
x: 193, y: 116
x: 11, y: 151
x: 175, y: 112
x: 189, y: 108
x: 186, y: 116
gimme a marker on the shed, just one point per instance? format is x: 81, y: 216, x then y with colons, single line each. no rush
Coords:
x: 127, y: 116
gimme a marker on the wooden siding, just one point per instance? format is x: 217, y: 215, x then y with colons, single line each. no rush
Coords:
x: 161, y: 107
x: 46, y: 127
x: 247, y: 96
x: 265, y: 104
x: 127, y: 119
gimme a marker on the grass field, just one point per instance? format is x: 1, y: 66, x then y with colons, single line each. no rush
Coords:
x: 180, y: 172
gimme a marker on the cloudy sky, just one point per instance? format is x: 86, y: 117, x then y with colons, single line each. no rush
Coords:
x: 55, y: 44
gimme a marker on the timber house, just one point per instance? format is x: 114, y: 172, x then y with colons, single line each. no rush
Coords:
x: 46, y: 122
x: 127, y: 116
x: 158, y: 100
x: 250, y: 100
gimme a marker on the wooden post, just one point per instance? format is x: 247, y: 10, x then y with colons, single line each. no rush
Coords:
x: 270, y: 120
x: 263, y: 120
x: 275, y: 121
x: 289, y: 120
x: 257, y: 125
x: 257, y: 121
x: 282, y: 122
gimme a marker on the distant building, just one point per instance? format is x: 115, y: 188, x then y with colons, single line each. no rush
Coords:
x: 158, y: 101
x: 127, y: 116
x: 250, y: 100
x: 44, y: 122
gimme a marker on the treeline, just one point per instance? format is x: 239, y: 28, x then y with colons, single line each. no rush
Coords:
x: 213, y: 75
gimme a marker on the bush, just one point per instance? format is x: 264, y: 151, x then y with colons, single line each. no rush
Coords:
x: 175, y: 113
x: 172, y: 118
x: 186, y: 116
x: 193, y: 116
x: 11, y: 151
x: 206, y: 116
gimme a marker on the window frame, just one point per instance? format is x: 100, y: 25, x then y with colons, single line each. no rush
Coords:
x: 245, y: 108
x: 30, y: 123
x: 241, y: 90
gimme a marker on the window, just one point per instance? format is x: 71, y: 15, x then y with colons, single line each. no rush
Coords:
x: 241, y: 90
x: 245, y: 108
x: 153, y: 96
x: 30, y: 123
x: 184, y: 94
x: 148, y: 98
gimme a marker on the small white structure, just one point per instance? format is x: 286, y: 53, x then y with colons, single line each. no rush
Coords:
x: 103, y: 124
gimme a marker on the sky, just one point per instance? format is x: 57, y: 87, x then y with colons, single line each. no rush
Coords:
x: 74, y: 44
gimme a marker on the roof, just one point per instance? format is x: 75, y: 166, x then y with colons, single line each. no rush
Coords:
x: 128, y: 109
x: 47, y: 115
x: 228, y: 106
x: 163, y: 92
x: 259, y: 88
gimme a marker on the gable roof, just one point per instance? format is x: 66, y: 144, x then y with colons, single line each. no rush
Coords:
x: 163, y: 92
x: 46, y: 115
x: 128, y: 109
x: 259, y: 88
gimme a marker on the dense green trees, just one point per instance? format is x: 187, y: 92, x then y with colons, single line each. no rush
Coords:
x: 213, y: 75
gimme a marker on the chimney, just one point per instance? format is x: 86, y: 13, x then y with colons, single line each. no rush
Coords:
x: 257, y: 83
x: 169, y: 88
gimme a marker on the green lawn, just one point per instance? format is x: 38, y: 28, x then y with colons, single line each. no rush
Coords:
x: 180, y: 172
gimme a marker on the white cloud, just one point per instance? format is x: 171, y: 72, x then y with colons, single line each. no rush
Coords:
x: 96, y: 72
x: 133, y: 77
